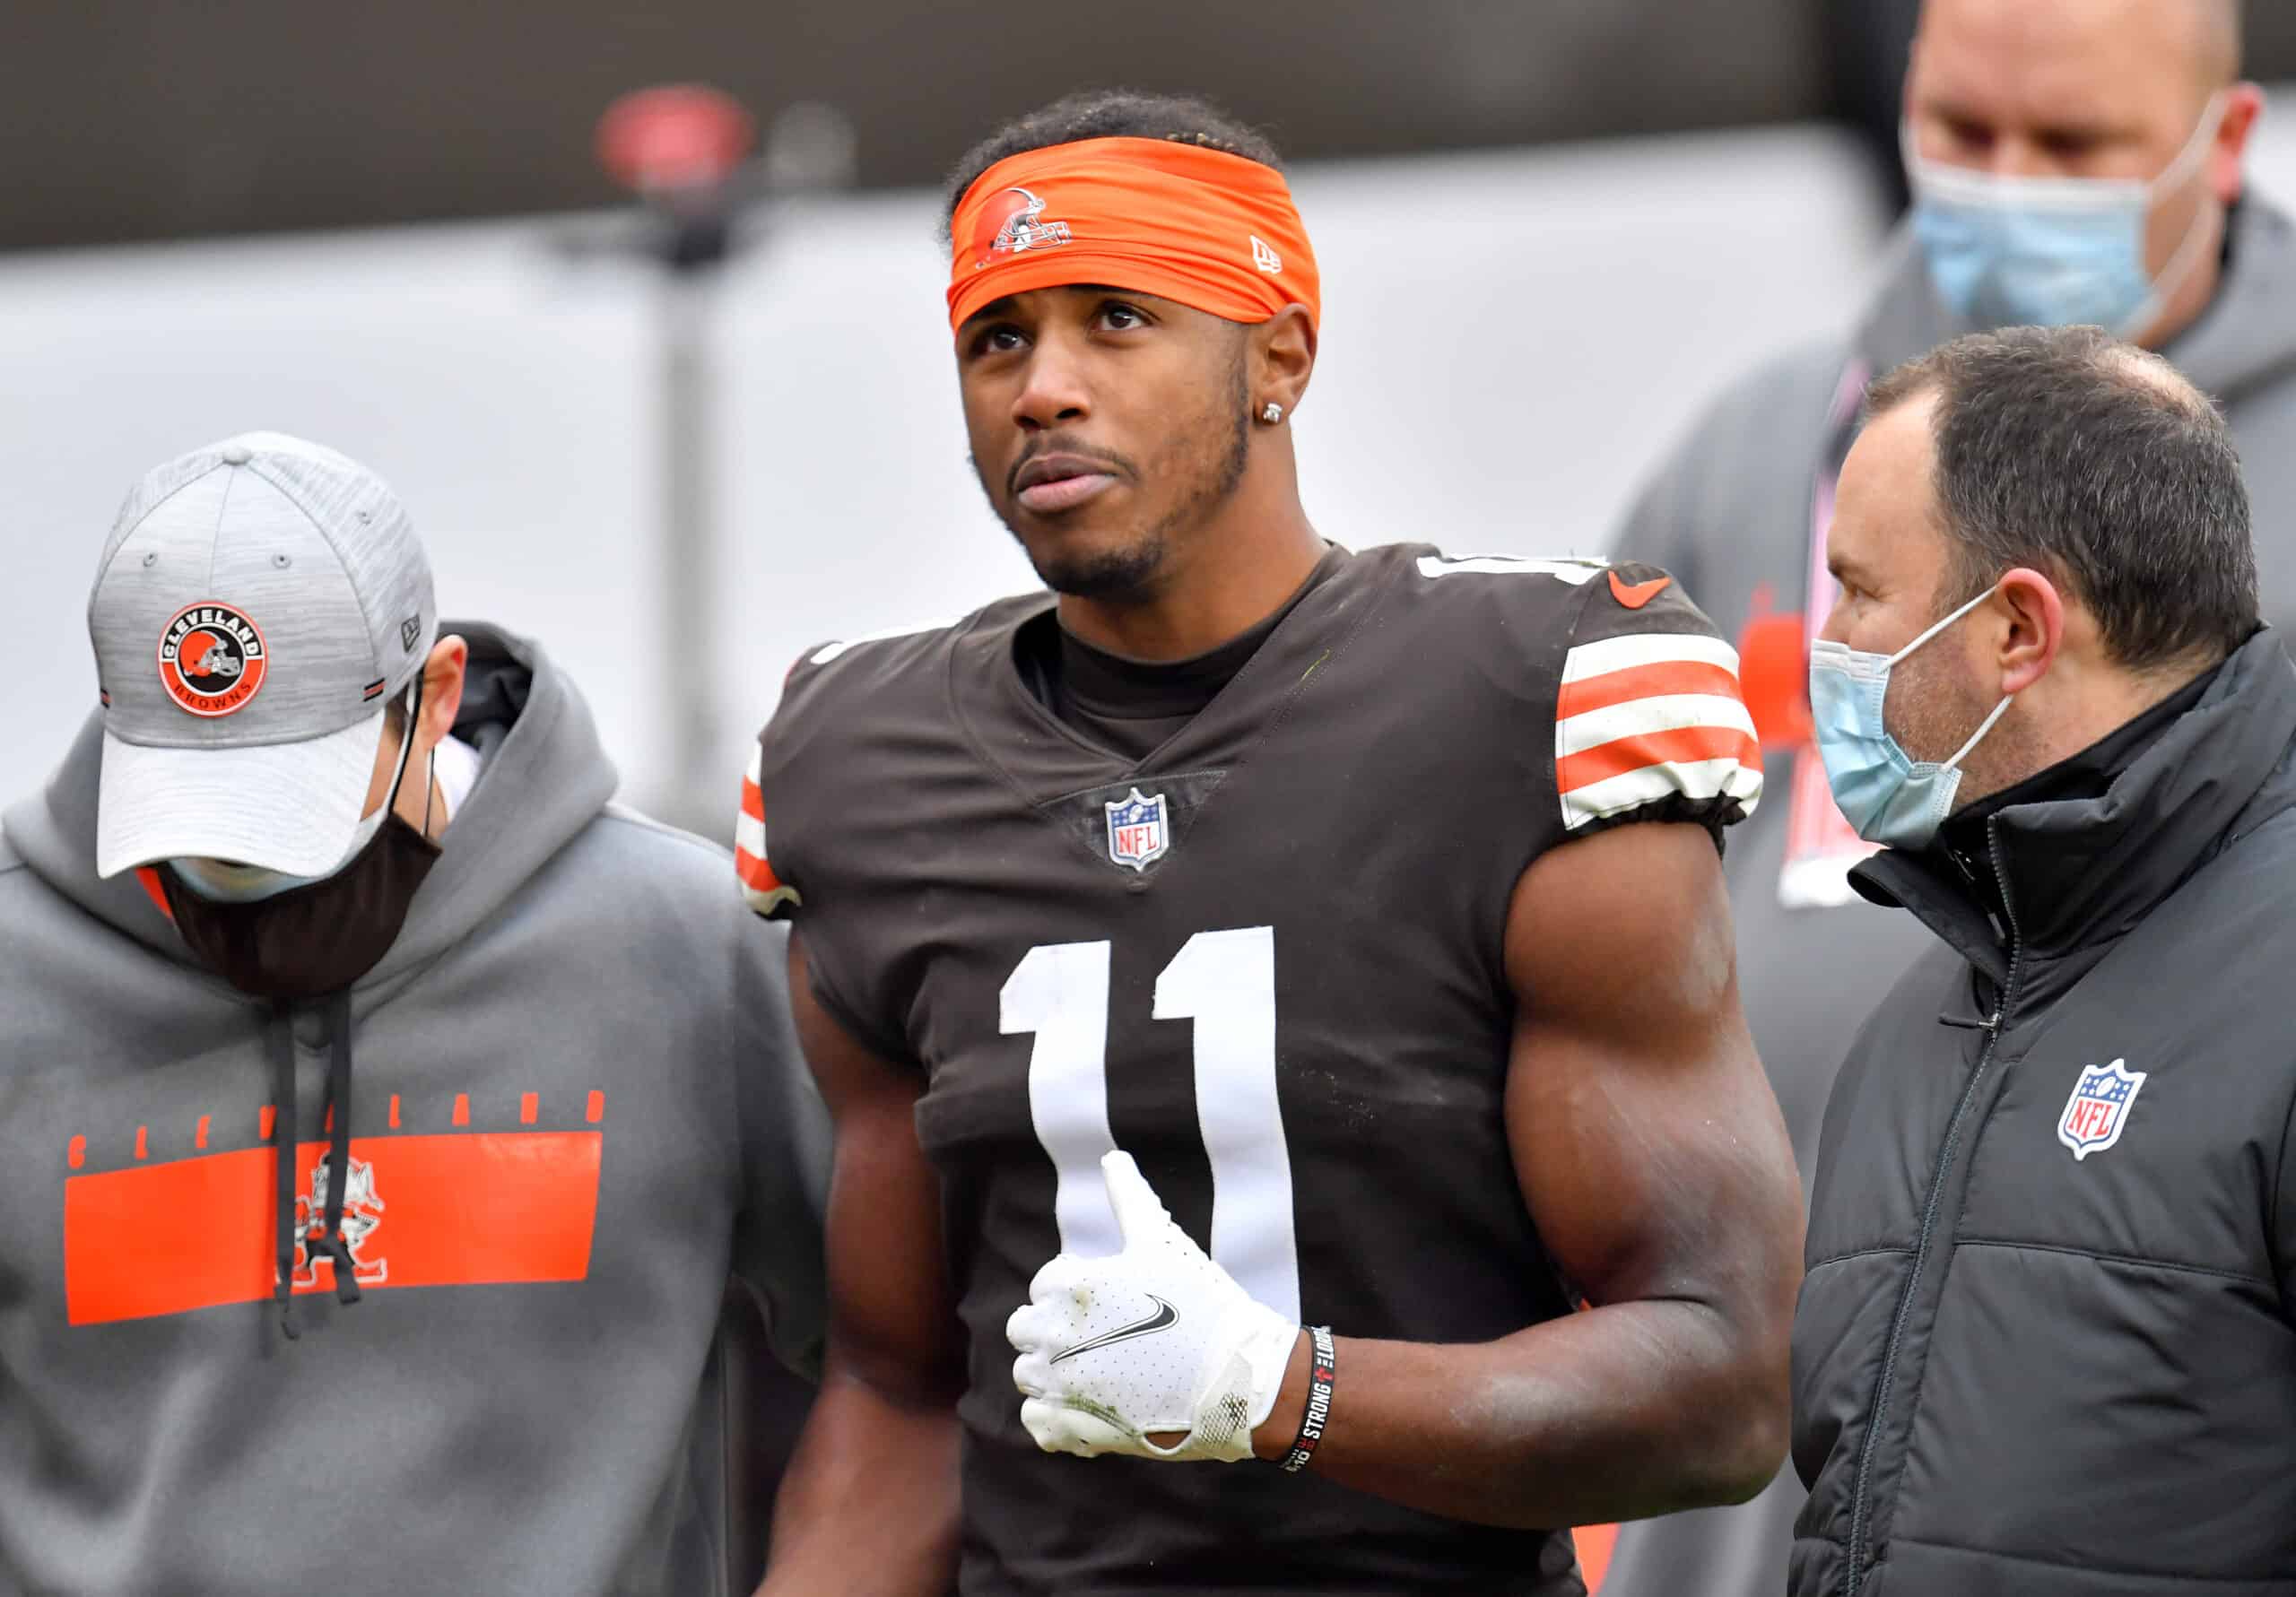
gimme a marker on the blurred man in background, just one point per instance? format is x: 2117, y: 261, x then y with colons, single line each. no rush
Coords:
x: 273, y: 1325
x: 2073, y: 162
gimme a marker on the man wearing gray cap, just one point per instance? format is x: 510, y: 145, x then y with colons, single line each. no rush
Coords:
x: 443, y: 1323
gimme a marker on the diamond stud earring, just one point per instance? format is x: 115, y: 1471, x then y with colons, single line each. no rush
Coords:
x: 1272, y: 412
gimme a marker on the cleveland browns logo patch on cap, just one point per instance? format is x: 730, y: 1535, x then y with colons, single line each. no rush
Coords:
x: 211, y: 659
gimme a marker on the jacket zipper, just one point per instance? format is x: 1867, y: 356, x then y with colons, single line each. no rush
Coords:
x: 1859, y: 1506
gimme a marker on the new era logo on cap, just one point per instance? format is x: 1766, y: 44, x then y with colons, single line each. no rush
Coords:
x: 251, y: 595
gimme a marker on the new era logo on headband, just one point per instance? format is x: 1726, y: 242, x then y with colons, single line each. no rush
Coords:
x: 1266, y: 258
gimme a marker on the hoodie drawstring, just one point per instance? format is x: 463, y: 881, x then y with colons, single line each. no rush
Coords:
x: 328, y: 1239
x: 283, y: 1143
x: 338, y: 1150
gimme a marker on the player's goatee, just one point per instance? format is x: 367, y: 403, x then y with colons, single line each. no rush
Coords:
x: 1111, y: 576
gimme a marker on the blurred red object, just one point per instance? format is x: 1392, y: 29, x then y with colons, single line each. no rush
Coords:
x: 674, y: 136
x: 1774, y: 677
x: 1594, y: 1543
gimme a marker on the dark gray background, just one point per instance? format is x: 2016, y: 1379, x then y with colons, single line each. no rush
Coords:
x: 124, y: 119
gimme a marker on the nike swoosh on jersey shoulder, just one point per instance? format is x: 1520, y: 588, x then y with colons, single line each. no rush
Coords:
x: 1634, y: 595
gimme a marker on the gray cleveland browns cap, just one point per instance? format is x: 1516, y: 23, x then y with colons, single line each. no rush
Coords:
x: 259, y: 601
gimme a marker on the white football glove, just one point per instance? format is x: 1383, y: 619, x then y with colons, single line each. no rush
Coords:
x: 1152, y: 1340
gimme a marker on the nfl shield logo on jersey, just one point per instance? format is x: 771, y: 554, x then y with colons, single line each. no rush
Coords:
x: 1139, y: 831
x: 2098, y: 1110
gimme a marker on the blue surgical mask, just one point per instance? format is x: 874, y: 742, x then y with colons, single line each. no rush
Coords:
x: 1885, y: 794
x: 2053, y: 251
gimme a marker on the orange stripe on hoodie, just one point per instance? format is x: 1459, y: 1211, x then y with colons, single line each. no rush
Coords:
x: 470, y: 1210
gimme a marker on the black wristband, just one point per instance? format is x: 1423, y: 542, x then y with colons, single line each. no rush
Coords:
x: 1323, y: 1369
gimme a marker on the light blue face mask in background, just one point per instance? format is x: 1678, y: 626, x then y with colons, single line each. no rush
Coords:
x: 1886, y: 796
x: 2052, y: 252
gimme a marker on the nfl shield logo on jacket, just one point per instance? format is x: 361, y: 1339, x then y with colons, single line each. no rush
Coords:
x: 2099, y: 1107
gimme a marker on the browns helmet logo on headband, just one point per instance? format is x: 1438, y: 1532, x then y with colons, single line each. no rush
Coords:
x: 1204, y: 229
x: 212, y: 658
x: 1013, y: 224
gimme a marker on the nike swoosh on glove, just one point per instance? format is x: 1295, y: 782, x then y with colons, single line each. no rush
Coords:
x: 1152, y: 1339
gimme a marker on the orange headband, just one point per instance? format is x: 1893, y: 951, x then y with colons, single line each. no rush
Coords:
x: 1209, y: 230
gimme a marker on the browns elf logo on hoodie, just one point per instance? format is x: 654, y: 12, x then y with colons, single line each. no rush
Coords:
x: 362, y: 1213
x: 212, y: 658
x: 181, y: 1216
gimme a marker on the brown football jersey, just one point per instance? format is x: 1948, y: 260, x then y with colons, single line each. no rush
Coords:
x: 1267, y: 961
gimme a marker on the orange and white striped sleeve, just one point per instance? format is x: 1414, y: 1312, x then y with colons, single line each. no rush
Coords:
x: 765, y: 892
x: 1653, y: 720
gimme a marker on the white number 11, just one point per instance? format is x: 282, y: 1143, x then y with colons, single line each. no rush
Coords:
x: 1223, y: 981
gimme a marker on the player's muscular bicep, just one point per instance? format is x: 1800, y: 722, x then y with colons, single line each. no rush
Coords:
x: 1649, y: 1145
x: 892, y: 1318
x: 1653, y: 1160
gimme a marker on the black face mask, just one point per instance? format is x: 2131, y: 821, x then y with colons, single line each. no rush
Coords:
x: 309, y: 941
x: 317, y: 938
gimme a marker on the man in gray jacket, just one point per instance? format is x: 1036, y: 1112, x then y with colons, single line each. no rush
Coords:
x: 271, y: 1323
x: 2044, y: 1345
x: 2002, y: 91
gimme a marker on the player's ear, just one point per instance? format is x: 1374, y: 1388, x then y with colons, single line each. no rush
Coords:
x: 1282, y: 358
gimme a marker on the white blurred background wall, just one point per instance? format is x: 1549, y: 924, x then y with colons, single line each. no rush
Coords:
x: 1510, y: 340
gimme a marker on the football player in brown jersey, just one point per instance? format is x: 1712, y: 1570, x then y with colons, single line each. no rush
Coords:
x: 1363, y: 911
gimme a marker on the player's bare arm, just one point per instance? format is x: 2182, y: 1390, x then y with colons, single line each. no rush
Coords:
x: 869, y: 1505
x: 1652, y: 1156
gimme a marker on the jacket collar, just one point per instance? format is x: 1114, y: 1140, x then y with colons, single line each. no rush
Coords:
x: 2077, y: 873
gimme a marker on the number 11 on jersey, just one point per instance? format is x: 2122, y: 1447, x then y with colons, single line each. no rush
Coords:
x: 1223, y: 981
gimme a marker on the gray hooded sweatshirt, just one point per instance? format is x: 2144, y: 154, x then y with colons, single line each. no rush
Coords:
x: 576, y: 1110
x: 1731, y: 513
